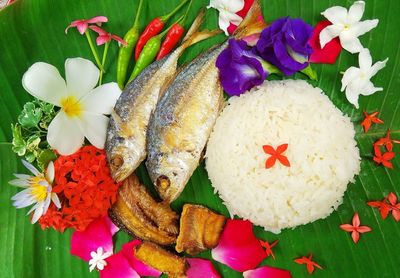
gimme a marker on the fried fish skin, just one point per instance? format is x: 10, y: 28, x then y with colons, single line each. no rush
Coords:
x: 140, y: 215
x: 161, y: 259
x: 181, y: 124
x: 200, y: 229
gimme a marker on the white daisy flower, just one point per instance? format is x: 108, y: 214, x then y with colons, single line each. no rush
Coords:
x: 98, y: 259
x: 83, y: 107
x: 227, y: 12
x: 37, y: 191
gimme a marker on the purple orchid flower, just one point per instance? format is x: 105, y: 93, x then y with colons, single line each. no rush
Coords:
x: 285, y: 44
x: 240, y: 68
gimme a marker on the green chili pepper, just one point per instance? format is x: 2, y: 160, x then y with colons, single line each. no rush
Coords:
x: 149, y: 53
x: 125, y: 53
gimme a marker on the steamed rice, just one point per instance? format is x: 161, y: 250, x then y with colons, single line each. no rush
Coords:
x: 322, y: 152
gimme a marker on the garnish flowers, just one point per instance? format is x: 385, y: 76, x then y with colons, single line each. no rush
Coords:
x: 388, y: 204
x: 38, y: 191
x: 310, y: 264
x: 227, y: 12
x: 356, y: 81
x: 83, y: 107
x: 369, y: 119
x: 355, y: 229
x: 276, y: 155
x: 347, y: 26
x: 83, y: 24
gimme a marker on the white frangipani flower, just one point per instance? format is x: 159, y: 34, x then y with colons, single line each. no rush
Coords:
x: 227, y: 12
x: 356, y: 81
x: 98, y: 259
x: 37, y: 191
x: 347, y: 26
x: 83, y: 107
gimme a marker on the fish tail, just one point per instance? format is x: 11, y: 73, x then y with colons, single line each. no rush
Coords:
x: 252, y: 23
x: 195, y: 25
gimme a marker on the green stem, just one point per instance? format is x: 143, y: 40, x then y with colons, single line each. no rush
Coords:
x: 379, y: 133
x: 168, y: 16
x: 93, y: 49
x: 136, y: 23
x: 103, y: 62
x: 182, y: 21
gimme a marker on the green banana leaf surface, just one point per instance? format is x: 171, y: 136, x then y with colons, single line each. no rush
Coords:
x: 33, y: 30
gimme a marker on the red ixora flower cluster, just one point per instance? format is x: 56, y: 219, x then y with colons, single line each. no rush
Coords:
x: 388, y: 204
x: 385, y: 143
x: 85, y: 188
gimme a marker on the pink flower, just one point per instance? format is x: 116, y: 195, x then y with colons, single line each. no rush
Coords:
x: 267, y: 271
x: 238, y: 248
x: 201, y: 268
x: 83, y: 24
x: 105, y: 36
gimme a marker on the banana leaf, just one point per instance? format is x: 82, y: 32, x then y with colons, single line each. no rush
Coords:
x: 33, y: 30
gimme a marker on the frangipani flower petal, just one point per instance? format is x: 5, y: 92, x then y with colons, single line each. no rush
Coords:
x: 141, y: 268
x: 365, y: 60
x: 64, y: 134
x: 267, y: 271
x: 377, y: 67
x: 363, y: 27
x: 238, y: 247
x: 350, y: 42
x: 81, y: 76
x: 328, y: 34
x: 335, y: 14
x: 369, y: 89
x: 118, y: 266
x: 98, y: 234
x: 44, y: 82
x: 94, y: 128
x: 356, y: 11
x: 201, y: 268
x: 102, y: 99
x: 349, y: 75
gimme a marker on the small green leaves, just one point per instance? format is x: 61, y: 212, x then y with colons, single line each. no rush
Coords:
x: 30, y: 115
x: 18, y: 143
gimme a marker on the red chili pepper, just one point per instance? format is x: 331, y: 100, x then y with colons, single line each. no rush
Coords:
x: 171, y: 40
x: 153, y: 28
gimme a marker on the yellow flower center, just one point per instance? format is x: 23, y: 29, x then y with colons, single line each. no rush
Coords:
x: 39, y: 192
x: 71, y: 106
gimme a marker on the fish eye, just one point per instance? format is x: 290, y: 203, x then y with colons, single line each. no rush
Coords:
x: 117, y: 161
x: 163, y: 182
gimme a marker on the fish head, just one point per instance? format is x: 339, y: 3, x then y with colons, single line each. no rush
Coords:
x: 121, y: 157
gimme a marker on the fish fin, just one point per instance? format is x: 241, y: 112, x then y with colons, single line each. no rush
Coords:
x: 252, y: 23
x: 195, y: 25
x: 126, y: 131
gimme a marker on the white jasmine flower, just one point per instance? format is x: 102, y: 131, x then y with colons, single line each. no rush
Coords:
x: 98, y: 259
x: 83, y: 107
x: 37, y: 191
x: 357, y: 82
x: 347, y: 26
x: 227, y: 12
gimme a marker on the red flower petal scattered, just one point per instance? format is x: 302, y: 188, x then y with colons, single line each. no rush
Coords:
x: 85, y: 188
x: 268, y: 247
x: 238, y: 248
x: 387, y: 142
x: 384, y: 158
x: 369, y: 119
x: 311, y: 265
x: 387, y: 205
x: 104, y: 36
x: 242, y: 13
x: 201, y: 268
x: 355, y: 229
x: 330, y: 52
x: 118, y: 266
x: 267, y: 271
x: 83, y: 24
x: 276, y: 155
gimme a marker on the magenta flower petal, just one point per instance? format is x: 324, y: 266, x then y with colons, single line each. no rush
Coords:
x: 98, y: 234
x: 118, y: 267
x: 120, y: 40
x: 97, y: 20
x: 102, y: 39
x: 201, y: 268
x: 267, y: 271
x: 330, y: 52
x: 238, y: 247
x: 141, y: 268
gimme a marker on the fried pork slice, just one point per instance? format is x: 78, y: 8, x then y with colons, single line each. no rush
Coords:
x: 136, y: 212
x: 161, y: 259
x: 200, y: 229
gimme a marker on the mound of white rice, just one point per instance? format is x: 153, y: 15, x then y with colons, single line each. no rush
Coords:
x: 322, y: 152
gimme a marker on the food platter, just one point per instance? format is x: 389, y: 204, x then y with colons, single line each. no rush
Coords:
x: 32, y: 31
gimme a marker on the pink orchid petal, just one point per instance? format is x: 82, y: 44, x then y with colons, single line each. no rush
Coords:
x: 98, y: 30
x: 201, y: 268
x: 82, y: 27
x: 238, y: 247
x: 73, y: 24
x: 267, y: 271
x: 330, y: 52
x: 120, y: 40
x: 97, y: 19
x: 102, y: 39
x: 118, y: 267
x: 97, y: 234
x: 141, y: 268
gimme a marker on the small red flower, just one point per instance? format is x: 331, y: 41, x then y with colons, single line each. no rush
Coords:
x: 384, y: 158
x: 104, y: 36
x: 268, y: 247
x: 384, y: 207
x: 355, y: 229
x: 276, y: 155
x: 309, y: 263
x: 387, y: 142
x: 369, y: 119
x: 83, y: 24
x: 388, y: 204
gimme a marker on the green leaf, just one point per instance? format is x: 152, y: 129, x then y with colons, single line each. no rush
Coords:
x: 45, y: 157
x: 18, y: 143
x: 310, y: 72
x: 32, y: 31
x: 30, y: 115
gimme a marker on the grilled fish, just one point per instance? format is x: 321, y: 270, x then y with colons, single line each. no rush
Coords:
x: 183, y: 120
x: 126, y: 135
